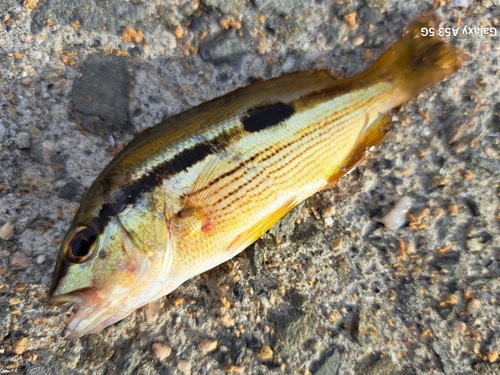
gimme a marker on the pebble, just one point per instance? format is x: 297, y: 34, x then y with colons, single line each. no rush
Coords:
x: 7, y: 231
x: 327, y: 212
x: 23, y: 140
x: 161, y: 350
x: 358, y: 41
x: 396, y: 217
x: 336, y: 243
x: 474, y: 245
x: 19, y: 261
x: 459, y: 326
x: 151, y: 311
x: 21, y: 345
x: 41, y: 259
x: 473, y: 306
x: 184, y: 367
x: 226, y: 320
x: 207, y: 345
x: 265, y: 353
x: 492, y: 356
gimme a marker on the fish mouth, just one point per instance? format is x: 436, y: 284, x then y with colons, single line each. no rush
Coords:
x: 91, y: 316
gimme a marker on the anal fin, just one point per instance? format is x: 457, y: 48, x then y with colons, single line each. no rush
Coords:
x: 368, y: 138
x: 251, y: 235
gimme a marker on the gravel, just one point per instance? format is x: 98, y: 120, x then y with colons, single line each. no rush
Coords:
x: 329, y: 289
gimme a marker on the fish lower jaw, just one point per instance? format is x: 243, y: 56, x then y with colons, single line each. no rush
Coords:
x: 73, y: 329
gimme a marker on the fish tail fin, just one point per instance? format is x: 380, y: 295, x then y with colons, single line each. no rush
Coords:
x: 417, y: 60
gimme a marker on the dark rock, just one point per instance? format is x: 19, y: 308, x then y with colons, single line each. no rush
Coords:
x: 102, y: 92
x: 69, y: 191
x: 229, y: 48
x: 292, y: 330
x: 474, y: 210
x: 298, y: 300
x: 370, y: 15
x: 330, y: 365
x: 495, y: 119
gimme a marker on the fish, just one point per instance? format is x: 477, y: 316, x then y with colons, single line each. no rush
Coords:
x: 195, y: 190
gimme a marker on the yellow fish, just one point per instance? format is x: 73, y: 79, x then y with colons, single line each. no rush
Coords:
x: 197, y: 189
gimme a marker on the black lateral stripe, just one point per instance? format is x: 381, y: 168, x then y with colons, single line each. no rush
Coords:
x: 129, y: 194
x: 265, y: 117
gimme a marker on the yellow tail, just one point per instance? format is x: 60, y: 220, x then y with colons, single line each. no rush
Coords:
x: 415, y: 62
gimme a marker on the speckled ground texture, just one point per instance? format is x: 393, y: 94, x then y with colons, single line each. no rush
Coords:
x: 329, y: 289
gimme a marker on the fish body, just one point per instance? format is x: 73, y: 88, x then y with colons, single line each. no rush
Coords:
x: 197, y: 189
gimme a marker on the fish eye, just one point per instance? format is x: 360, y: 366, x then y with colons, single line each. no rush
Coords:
x: 81, y: 245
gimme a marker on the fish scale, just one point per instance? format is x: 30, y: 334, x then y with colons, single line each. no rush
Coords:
x: 197, y: 189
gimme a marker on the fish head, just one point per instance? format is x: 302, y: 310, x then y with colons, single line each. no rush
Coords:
x: 110, y: 273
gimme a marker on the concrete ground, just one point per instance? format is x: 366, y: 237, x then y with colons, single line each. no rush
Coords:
x: 329, y: 289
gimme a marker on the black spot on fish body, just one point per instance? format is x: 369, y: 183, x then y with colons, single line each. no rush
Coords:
x: 265, y: 117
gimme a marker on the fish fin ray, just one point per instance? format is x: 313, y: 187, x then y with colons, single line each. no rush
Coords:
x: 200, y: 195
x: 372, y: 136
x: 248, y: 237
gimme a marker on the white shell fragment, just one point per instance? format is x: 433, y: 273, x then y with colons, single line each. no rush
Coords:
x: 396, y: 217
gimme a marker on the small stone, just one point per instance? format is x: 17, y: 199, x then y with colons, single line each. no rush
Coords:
x: 265, y: 353
x: 474, y: 244
x: 327, y: 212
x: 161, y: 350
x: 151, y: 311
x: 41, y: 259
x: 336, y: 243
x: 207, y: 345
x: 351, y: 19
x: 7, y: 231
x: 184, y: 367
x: 21, y: 345
x: 358, y: 41
x: 179, y: 32
x: 23, y: 140
x: 19, y: 261
x: 492, y: 356
x: 226, y: 320
x: 459, y: 326
x: 473, y: 306
x: 27, y: 81
x: 298, y: 300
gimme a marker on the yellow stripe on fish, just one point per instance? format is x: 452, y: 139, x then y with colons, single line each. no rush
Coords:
x: 195, y: 190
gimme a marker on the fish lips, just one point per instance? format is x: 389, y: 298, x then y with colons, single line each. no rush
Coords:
x: 91, y: 316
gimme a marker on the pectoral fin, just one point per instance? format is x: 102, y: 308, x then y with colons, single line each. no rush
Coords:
x: 251, y: 235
